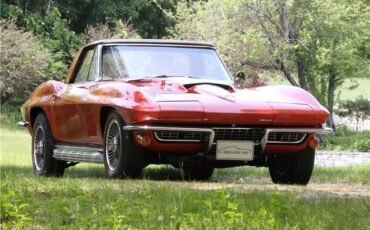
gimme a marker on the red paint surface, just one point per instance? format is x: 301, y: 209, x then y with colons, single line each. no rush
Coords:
x: 74, y: 110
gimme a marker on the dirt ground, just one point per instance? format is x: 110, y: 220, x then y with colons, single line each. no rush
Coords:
x: 312, y: 189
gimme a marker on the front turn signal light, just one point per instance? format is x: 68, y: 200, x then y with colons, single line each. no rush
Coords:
x: 143, y: 140
x: 314, y: 143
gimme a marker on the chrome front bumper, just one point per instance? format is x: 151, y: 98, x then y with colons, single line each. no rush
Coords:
x: 211, y: 132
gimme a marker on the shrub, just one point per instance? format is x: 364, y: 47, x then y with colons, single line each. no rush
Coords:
x: 13, y: 214
x: 9, y: 116
x: 357, y: 110
x: 346, y: 139
x: 363, y: 145
x: 24, y: 63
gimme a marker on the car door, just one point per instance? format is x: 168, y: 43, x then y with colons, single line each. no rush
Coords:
x: 69, y: 106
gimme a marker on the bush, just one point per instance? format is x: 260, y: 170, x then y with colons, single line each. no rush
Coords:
x: 24, y: 63
x: 346, y: 139
x: 13, y: 214
x: 363, y: 145
x: 9, y: 116
x: 358, y: 110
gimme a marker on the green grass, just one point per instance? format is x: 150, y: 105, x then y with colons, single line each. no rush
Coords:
x: 85, y: 199
x: 347, y: 93
x: 347, y: 174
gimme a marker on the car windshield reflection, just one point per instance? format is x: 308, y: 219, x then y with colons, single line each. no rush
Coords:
x: 141, y: 62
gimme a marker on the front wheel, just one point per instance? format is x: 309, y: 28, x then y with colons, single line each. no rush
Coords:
x: 43, y: 162
x: 121, y: 157
x: 293, y: 168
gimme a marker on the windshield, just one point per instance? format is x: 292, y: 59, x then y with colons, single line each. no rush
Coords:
x: 136, y: 62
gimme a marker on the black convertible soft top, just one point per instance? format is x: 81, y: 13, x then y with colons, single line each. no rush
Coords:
x: 152, y: 41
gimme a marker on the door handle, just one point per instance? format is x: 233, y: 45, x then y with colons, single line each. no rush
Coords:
x: 82, y: 87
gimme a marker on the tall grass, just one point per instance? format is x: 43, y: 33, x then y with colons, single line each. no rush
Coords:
x: 85, y: 199
x: 9, y: 116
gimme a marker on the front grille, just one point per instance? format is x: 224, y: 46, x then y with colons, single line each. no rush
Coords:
x: 285, y: 137
x: 239, y: 134
x: 236, y: 134
x: 180, y: 135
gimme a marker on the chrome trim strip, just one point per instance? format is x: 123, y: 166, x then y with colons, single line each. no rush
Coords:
x: 242, y: 128
x: 163, y: 128
x: 99, y: 75
x: 301, y: 130
x: 160, y: 45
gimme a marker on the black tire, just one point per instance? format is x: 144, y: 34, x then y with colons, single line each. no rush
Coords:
x: 294, y: 168
x: 43, y: 162
x: 199, y: 173
x: 121, y: 157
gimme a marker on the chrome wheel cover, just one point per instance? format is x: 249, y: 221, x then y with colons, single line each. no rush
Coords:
x: 39, y: 148
x: 113, y: 144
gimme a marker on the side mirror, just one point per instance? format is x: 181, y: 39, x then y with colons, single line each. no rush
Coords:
x: 240, y: 75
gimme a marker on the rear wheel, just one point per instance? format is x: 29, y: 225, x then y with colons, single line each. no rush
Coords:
x: 121, y: 157
x: 199, y: 173
x: 294, y: 168
x: 43, y: 162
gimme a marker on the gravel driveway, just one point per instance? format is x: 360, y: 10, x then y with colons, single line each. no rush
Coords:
x: 335, y: 159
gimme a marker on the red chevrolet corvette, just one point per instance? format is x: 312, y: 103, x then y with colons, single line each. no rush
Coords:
x: 130, y: 103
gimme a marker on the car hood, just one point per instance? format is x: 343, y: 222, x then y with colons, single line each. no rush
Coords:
x: 218, y: 102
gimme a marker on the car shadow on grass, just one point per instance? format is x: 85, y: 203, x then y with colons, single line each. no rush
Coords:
x: 152, y: 172
x: 97, y: 171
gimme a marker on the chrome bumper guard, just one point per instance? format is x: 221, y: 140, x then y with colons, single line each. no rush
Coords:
x: 23, y: 123
x: 211, y: 132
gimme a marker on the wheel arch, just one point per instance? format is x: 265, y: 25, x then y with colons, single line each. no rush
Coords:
x: 34, y: 112
x: 104, y: 113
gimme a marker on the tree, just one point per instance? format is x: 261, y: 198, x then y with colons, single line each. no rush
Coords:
x: 24, y: 63
x: 341, y: 36
x: 55, y: 34
x: 103, y: 31
x: 149, y: 17
x: 221, y: 22
x: 322, y: 43
x: 315, y: 44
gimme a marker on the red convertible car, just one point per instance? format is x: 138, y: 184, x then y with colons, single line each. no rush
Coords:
x: 130, y: 103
